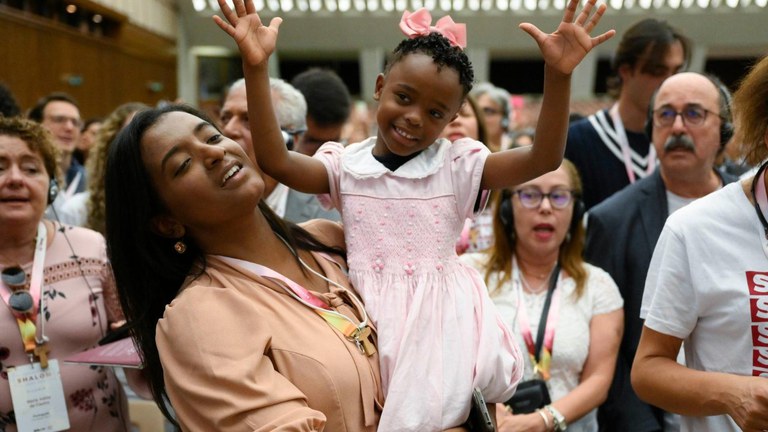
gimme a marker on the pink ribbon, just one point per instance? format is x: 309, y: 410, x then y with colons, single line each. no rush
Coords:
x: 419, y: 23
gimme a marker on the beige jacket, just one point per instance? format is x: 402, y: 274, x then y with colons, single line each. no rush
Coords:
x: 240, y: 354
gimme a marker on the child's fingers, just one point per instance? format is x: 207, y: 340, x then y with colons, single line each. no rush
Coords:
x: 603, y: 37
x: 570, y: 11
x: 592, y: 23
x: 249, y: 7
x: 227, y: 11
x: 274, y: 24
x: 224, y: 25
x: 584, y: 15
x: 534, y: 31
x: 239, y: 7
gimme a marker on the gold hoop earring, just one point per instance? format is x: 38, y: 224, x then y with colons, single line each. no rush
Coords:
x: 180, y: 247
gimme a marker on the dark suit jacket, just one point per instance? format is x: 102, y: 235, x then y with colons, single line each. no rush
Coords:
x: 301, y: 207
x: 621, y: 234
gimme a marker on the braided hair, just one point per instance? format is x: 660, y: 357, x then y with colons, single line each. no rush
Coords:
x: 443, y: 54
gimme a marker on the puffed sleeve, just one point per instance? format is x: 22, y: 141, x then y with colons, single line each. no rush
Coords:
x: 214, y: 349
x: 330, y: 155
x: 109, y: 289
x: 603, y: 290
x: 467, y: 158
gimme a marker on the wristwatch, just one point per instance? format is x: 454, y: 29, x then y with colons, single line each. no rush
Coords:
x: 560, y: 424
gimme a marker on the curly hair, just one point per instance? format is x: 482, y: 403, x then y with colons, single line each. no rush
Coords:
x: 750, y: 109
x: 38, y: 139
x: 96, y: 163
x: 443, y: 54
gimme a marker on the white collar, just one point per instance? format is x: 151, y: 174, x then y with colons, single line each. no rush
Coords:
x: 357, y: 159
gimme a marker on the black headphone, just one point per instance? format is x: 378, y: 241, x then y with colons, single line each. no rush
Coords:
x: 507, y: 215
x: 53, y: 190
x: 726, y: 125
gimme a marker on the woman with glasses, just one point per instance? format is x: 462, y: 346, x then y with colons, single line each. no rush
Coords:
x: 538, y: 246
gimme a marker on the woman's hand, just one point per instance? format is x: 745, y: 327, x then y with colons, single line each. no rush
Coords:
x: 564, y: 49
x: 255, y: 41
x: 507, y: 422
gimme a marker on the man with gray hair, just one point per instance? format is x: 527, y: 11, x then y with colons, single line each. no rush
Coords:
x: 290, y: 109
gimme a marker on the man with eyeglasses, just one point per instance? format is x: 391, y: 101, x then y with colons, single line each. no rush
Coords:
x: 290, y: 109
x: 689, y: 123
x: 60, y: 114
x: 609, y: 148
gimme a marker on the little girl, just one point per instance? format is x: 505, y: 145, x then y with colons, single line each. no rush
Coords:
x: 404, y: 196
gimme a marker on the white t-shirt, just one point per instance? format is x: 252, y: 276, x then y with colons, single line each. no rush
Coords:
x: 708, y: 285
x: 571, y: 344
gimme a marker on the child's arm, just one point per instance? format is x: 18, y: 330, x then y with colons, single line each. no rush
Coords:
x: 562, y: 50
x: 256, y: 43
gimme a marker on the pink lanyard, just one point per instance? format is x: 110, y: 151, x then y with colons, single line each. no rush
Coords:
x: 542, y: 366
x: 26, y: 321
x: 358, y: 333
x: 621, y: 137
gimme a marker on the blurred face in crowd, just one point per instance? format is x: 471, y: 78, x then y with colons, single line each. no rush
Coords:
x: 641, y: 81
x: 88, y: 136
x: 234, y: 118
x: 494, y: 115
x: 317, y: 135
x: 62, y: 119
x: 463, y: 126
x: 23, y: 182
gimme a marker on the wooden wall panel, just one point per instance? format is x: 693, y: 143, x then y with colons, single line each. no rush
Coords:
x: 37, y: 57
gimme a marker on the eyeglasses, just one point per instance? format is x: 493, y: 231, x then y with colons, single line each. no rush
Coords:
x: 532, y: 198
x: 60, y: 119
x: 488, y: 111
x: 692, y: 115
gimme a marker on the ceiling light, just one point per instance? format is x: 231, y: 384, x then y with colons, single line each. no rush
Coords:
x: 71, y: 8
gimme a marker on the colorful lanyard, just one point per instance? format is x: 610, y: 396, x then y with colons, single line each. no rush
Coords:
x: 26, y: 321
x: 541, y: 363
x: 621, y: 137
x: 358, y: 333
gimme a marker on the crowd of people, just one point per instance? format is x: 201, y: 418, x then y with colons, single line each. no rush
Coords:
x: 300, y: 263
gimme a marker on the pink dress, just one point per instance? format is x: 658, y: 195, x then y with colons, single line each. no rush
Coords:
x: 439, y: 333
x: 77, y: 314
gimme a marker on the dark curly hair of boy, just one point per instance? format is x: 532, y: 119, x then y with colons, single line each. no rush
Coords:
x: 442, y: 52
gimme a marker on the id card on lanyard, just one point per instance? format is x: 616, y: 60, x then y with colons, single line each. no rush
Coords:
x: 38, y: 397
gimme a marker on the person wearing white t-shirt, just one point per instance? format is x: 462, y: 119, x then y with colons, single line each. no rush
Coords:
x: 707, y: 286
x: 689, y: 124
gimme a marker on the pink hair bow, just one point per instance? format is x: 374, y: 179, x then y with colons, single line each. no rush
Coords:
x: 419, y: 23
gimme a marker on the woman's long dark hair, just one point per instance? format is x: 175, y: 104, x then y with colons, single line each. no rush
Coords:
x: 148, y: 272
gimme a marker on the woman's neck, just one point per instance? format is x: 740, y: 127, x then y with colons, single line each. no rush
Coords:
x: 17, y: 243
x: 537, y: 266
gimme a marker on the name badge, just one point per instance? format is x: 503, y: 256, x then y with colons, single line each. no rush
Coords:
x: 38, y: 398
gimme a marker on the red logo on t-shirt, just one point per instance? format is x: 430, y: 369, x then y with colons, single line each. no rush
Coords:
x: 758, y: 305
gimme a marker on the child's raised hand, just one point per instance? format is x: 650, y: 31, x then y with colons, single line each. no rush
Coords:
x: 255, y: 40
x: 564, y: 49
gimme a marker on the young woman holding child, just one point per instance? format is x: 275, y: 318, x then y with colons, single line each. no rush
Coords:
x: 404, y: 196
